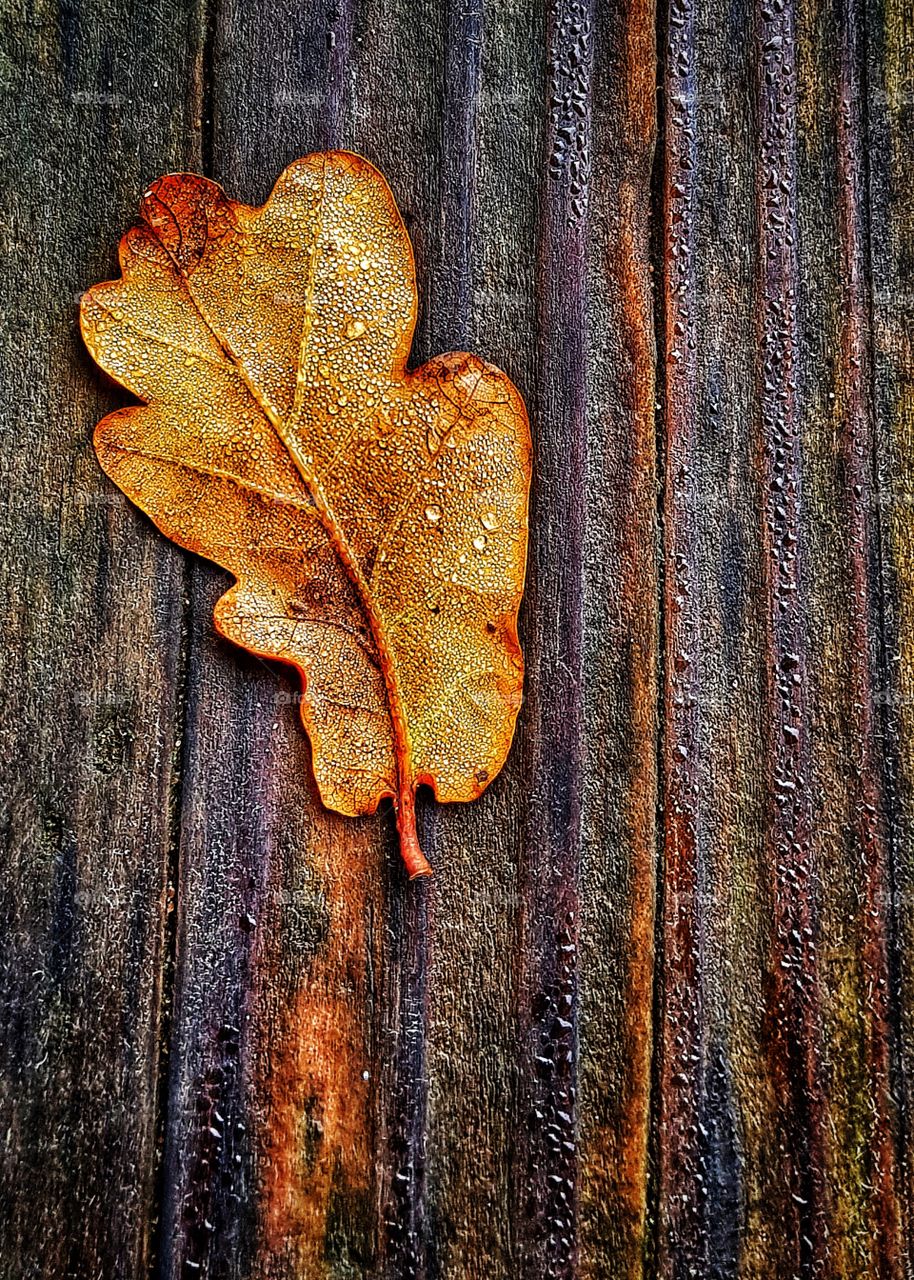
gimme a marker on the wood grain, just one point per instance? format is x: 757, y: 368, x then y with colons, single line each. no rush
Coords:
x: 779, y: 1139
x: 652, y: 1017
x: 92, y: 627
x: 888, y: 77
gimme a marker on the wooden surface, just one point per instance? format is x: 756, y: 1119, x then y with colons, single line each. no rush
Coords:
x: 654, y: 1015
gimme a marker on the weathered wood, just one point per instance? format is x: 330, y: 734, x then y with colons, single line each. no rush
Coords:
x: 888, y: 76
x: 271, y: 1133
x: 490, y: 1075
x: 779, y: 1140
x: 450, y: 1187
x: 479, y: 254
x: 620, y: 655
x: 95, y: 103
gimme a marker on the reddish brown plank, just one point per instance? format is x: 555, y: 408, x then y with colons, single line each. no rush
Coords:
x: 620, y: 656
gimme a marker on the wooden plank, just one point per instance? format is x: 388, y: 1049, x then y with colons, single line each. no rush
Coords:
x: 477, y: 246
x: 778, y: 1136
x: 857, y: 923
x: 547, y: 1202
x: 96, y: 102
x: 298, y: 1085
x: 269, y: 1142
x: 620, y: 655
x: 396, y: 70
x: 889, y: 171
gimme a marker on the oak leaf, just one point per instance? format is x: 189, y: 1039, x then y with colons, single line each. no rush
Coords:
x: 374, y: 518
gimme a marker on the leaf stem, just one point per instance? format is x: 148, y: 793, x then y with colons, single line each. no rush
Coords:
x: 416, y: 862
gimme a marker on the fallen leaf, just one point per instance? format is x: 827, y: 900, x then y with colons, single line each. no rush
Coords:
x: 374, y: 518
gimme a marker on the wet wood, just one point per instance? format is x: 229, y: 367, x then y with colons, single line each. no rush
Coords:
x: 91, y: 666
x: 652, y: 1017
x: 781, y: 1132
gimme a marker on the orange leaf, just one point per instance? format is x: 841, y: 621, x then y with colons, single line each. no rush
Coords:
x: 375, y: 519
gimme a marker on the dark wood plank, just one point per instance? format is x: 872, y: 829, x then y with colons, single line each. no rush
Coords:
x: 97, y: 100
x: 475, y: 225
x: 546, y: 1186
x: 888, y: 77
x: 795, y: 1152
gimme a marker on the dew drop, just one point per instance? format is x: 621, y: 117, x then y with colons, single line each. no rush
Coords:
x: 480, y: 542
x: 433, y: 514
